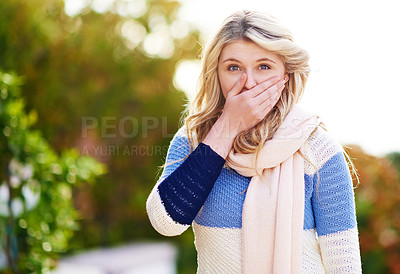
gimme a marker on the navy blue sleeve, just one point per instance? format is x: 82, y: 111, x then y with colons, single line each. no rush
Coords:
x: 185, y: 190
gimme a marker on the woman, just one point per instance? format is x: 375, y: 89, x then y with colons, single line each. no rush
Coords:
x: 264, y: 186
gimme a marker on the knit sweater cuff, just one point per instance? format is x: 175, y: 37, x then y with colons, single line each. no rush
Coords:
x: 185, y: 190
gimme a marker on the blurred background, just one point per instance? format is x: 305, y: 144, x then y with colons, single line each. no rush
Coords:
x: 91, y: 93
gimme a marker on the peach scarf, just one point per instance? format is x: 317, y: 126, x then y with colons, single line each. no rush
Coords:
x: 273, y: 211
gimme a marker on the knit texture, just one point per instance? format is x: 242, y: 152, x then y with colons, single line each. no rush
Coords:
x: 330, y: 238
x: 184, y: 191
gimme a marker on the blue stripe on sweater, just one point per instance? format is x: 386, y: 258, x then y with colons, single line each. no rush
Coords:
x: 178, y: 149
x: 333, y: 204
x: 328, y: 214
x: 223, y: 207
x: 184, y: 191
x: 309, y: 222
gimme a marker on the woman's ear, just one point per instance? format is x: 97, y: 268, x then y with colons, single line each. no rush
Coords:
x: 286, y: 77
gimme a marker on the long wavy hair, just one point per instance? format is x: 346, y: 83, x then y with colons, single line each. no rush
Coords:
x: 206, y: 107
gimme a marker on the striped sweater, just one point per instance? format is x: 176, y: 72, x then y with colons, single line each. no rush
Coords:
x: 201, y: 191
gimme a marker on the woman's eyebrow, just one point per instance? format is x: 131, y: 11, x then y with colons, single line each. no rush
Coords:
x: 231, y: 59
x: 266, y: 59
x: 259, y: 60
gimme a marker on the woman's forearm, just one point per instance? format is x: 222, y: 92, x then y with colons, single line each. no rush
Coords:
x: 184, y: 191
x: 221, y: 136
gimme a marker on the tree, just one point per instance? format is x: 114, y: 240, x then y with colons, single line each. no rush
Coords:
x: 394, y: 158
x: 37, y: 216
x: 112, y: 72
x: 378, y: 212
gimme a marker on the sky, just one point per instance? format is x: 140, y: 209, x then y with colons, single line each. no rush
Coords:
x: 354, y: 56
x: 354, y: 49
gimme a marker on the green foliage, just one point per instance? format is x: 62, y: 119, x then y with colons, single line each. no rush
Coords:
x: 37, y: 215
x: 374, y: 262
x: 96, y: 65
x: 394, y: 158
x: 378, y: 212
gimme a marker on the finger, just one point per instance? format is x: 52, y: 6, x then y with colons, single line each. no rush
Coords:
x: 263, y: 86
x: 238, y: 87
x: 277, y: 88
x: 267, y: 109
x: 268, y: 104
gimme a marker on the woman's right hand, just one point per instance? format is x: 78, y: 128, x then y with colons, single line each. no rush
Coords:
x: 244, y: 109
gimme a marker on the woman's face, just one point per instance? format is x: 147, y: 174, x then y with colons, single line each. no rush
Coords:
x: 247, y: 57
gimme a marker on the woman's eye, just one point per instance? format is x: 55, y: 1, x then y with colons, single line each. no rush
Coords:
x: 264, y: 66
x: 233, y: 68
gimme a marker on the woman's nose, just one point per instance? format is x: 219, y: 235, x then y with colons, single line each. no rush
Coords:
x: 251, y: 81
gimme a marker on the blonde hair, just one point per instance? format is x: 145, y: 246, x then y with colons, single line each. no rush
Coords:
x: 207, y: 105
